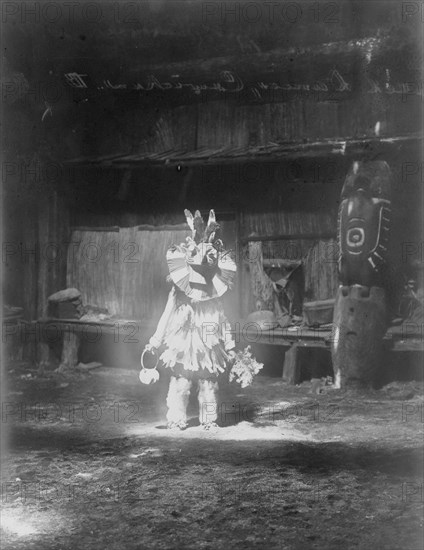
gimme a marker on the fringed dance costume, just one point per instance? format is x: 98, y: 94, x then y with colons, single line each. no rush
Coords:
x: 193, y: 328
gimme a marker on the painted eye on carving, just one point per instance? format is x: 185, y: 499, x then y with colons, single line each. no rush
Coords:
x: 355, y: 237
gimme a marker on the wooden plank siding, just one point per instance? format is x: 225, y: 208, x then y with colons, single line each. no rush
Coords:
x: 225, y: 124
x: 124, y: 272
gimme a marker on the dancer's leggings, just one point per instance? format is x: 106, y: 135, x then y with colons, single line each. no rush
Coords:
x: 179, y: 394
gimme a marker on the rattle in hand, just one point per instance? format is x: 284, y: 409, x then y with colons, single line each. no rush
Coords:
x: 149, y: 375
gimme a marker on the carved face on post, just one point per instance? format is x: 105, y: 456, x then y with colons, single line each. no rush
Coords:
x: 364, y: 224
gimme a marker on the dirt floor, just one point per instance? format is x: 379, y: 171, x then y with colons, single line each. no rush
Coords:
x: 90, y: 465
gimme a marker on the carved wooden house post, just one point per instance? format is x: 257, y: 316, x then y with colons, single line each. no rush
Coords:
x: 360, y: 318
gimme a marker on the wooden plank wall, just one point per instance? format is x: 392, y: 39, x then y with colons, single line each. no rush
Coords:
x: 126, y: 271
x: 226, y: 123
x: 123, y: 271
x: 45, y: 233
x: 290, y: 210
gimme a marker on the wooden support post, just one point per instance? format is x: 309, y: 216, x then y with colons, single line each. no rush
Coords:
x: 43, y: 357
x: 359, y: 321
x: 291, y: 368
x: 359, y: 327
x: 69, y: 359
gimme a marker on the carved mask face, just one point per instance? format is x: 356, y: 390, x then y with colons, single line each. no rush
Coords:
x: 203, y: 259
x: 200, y: 267
x: 364, y: 222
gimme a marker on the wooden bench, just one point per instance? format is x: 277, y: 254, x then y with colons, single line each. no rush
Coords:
x: 399, y: 338
x: 74, y: 331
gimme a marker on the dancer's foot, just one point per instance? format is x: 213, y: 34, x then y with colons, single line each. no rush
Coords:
x: 210, y: 426
x: 181, y: 425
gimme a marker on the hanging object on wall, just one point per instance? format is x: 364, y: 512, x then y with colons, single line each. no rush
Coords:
x: 359, y: 321
x: 261, y: 286
x: 288, y: 283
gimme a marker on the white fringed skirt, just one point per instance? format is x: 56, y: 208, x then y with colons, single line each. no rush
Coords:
x: 194, y: 338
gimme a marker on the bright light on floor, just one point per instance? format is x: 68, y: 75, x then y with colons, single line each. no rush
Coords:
x: 243, y: 431
x: 16, y: 526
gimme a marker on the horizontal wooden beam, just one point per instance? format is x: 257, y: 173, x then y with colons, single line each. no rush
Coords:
x: 112, y: 229
x: 145, y: 227
x: 272, y: 153
x: 259, y: 63
x: 178, y: 227
x: 288, y: 237
x: 329, y: 71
